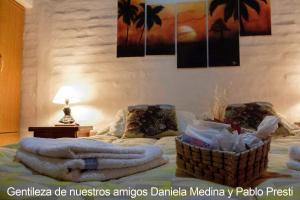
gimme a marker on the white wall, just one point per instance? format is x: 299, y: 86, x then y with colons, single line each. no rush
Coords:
x: 73, y: 42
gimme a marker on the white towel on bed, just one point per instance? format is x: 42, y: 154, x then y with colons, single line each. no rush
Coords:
x: 79, y: 148
x: 294, y: 152
x: 86, y: 160
x: 149, y: 153
x: 59, y: 168
x: 294, y: 161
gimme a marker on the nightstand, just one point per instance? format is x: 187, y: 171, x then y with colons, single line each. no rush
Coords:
x: 61, y: 131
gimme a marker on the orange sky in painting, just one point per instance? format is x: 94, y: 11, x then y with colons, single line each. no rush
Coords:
x: 231, y: 23
x: 192, y: 15
x: 166, y: 32
x: 134, y: 34
x: 262, y: 22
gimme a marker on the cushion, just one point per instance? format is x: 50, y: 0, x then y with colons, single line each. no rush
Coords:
x: 150, y: 121
x: 117, y: 127
x: 250, y: 115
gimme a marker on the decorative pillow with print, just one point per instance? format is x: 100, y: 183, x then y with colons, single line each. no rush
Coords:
x: 250, y: 115
x: 153, y: 121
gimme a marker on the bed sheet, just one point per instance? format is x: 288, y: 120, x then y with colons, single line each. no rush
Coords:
x: 14, y: 174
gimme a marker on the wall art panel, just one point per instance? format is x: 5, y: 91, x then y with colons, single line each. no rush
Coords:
x: 255, y: 17
x: 224, y: 34
x: 131, y: 28
x: 191, y: 35
x: 161, y: 29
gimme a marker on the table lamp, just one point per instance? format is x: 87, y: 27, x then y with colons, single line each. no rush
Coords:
x: 66, y: 95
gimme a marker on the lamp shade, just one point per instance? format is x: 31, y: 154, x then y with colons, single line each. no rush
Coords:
x: 66, y: 93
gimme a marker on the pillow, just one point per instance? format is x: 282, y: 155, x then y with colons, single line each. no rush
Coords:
x: 151, y: 121
x: 250, y: 115
x: 117, y: 127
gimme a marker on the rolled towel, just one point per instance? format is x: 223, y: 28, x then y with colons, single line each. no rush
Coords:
x: 294, y: 152
x: 293, y: 164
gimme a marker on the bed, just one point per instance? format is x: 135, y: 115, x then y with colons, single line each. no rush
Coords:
x: 14, y: 174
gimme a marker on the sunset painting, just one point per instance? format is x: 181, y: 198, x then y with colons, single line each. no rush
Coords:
x: 258, y: 19
x: 223, y: 34
x: 161, y: 29
x: 191, y: 35
x: 131, y: 28
x: 254, y: 15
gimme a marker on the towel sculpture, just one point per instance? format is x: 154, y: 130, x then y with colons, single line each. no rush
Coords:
x: 294, y: 161
x: 81, y: 160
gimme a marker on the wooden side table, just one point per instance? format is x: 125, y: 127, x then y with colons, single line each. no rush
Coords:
x: 61, y: 131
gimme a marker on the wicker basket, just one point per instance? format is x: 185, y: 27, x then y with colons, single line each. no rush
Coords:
x: 227, y: 168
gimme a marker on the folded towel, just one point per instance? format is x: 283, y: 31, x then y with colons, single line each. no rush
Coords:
x: 86, y: 160
x: 59, y: 168
x: 150, y: 153
x: 293, y: 164
x: 79, y: 148
x: 294, y: 152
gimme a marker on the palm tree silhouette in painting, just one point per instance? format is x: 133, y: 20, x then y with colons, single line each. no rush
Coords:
x: 219, y: 27
x: 128, y: 12
x: 232, y: 9
x: 152, y: 18
x: 140, y: 20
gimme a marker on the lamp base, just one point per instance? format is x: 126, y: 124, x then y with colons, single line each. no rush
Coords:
x: 67, y: 119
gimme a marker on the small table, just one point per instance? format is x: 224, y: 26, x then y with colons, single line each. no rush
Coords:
x: 61, y: 131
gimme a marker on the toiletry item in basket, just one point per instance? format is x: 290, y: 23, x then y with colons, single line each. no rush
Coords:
x: 194, y: 141
x: 268, y: 126
x: 228, y: 141
x: 251, y: 140
x: 206, y: 135
x: 217, y: 139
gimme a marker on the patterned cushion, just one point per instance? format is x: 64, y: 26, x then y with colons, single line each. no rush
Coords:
x: 153, y: 121
x: 250, y: 115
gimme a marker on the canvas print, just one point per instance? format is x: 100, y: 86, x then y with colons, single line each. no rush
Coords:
x: 224, y: 34
x: 131, y: 28
x: 160, y: 29
x: 255, y: 17
x: 191, y: 35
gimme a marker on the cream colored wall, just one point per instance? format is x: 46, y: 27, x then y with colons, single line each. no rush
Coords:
x: 73, y: 42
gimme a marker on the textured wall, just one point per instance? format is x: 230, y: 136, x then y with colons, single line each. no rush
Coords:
x: 73, y: 42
